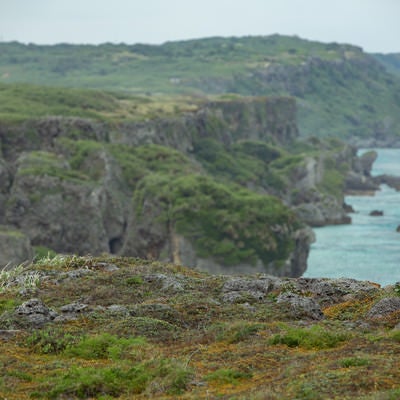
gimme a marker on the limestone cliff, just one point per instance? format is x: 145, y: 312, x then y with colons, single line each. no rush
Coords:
x: 218, y: 188
x: 68, y: 186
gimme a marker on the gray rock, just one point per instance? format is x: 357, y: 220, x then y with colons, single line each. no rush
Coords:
x: 65, y: 213
x: 35, y: 313
x: 366, y: 162
x: 359, y: 183
x: 300, y: 306
x: 76, y: 273
x: 109, y: 267
x: 7, y: 334
x: 236, y: 289
x: 376, y: 213
x: 74, y: 308
x: 15, y: 247
x: 331, y: 291
x: 166, y: 282
x: 117, y: 309
x: 384, y: 308
x: 390, y: 180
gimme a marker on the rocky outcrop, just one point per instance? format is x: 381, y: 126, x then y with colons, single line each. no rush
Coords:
x: 376, y: 213
x: 315, y: 202
x: 390, y: 180
x: 359, y: 180
x: 358, y: 184
x: 300, y: 299
x: 34, y: 313
x: 385, y: 308
x: 363, y: 164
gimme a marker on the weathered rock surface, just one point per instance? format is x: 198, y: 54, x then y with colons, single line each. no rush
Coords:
x: 360, y: 184
x: 34, y: 313
x: 385, y: 308
x: 300, y: 299
x: 300, y: 306
x: 15, y: 247
x: 390, y: 180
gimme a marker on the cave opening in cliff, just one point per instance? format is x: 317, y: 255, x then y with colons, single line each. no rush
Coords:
x: 115, y: 244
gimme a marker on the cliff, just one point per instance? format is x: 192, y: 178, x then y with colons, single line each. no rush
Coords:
x: 227, y: 186
x: 341, y: 91
x: 137, y: 189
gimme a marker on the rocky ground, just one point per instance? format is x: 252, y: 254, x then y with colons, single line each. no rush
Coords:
x: 81, y: 327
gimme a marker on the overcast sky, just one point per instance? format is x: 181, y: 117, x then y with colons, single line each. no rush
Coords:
x: 371, y: 24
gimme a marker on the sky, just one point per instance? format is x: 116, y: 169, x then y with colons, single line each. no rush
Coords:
x: 371, y: 24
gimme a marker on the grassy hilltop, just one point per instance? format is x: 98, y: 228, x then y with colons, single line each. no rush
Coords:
x: 341, y: 90
x: 124, y: 328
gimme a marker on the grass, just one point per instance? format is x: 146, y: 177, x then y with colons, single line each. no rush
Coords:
x: 187, y: 344
x: 314, y: 337
x: 341, y: 91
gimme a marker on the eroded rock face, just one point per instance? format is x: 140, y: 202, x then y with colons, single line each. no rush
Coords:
x: 65, y: 213
x: 15, y: 247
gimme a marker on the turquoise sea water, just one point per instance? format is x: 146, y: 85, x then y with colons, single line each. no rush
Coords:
x: 369, y: 248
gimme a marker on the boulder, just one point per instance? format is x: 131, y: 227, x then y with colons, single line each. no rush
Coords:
x: 326, y: 212
x: 237, y: 289
x: 384, y: 308
x: 300, y: 306
x: 34, y: 313
x: 331, y: 291
x: 376, y: 213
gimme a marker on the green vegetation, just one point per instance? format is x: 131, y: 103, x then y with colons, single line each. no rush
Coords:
x: 20, y: 102
x: 41, y: 163
x: 206, y: 347
x: 315, y: 337
x: 340, y: 90
x: 228, y: 223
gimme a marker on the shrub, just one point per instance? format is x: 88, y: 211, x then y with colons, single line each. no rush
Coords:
x: 104, y: 345
x: 228, y: 375
x: 315, y: 337
x: 159, y: 375
x: 50, y: 340
x: 354, y: 362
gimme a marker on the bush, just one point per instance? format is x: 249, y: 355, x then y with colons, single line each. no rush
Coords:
x: 104, y: 345
x: 51, y: 340
x: 159, y: 375
x: 224, y: 376
x: 354, y: 362
x: 315, y: 337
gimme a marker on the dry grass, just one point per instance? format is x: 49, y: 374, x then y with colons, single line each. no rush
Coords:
x: 188, y: 344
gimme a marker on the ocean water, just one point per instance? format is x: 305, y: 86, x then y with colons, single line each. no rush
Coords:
x: 369, y: 248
